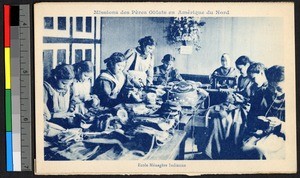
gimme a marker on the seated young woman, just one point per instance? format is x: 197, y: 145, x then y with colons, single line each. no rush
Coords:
x: 230, y: 117
x: 166, y: 72
x: 224, y: 71
x: 267, y: 116
x: 244, y: 82
x: 57, y: 96
x: 109, y: 84
x: 82, y: 85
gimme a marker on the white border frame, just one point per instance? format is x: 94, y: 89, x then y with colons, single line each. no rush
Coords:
x: 284, y: 10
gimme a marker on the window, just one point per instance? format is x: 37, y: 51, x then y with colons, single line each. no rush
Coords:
x: 61, y: 56
x: 88, y: 54
x: 48, y: 62
x: 61, y: 23
x: 48, y: 22
x: 78, y: 55
x: 79, y: 24
x: 88, y: 24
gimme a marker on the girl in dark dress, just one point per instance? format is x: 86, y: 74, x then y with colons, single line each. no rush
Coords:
x: 109, y: 84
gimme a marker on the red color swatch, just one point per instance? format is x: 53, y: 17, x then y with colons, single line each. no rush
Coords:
x: 6, y: 26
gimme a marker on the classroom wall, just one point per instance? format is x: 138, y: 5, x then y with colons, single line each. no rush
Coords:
x: 259, y: 38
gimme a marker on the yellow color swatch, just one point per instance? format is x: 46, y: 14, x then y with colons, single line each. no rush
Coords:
x: 7, y: 68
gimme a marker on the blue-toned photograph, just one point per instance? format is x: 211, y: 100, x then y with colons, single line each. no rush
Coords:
x: 163, y: 88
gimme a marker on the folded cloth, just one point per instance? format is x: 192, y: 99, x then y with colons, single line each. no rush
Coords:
x: 73, y: 144
x: 226, y: 130
x: 272, y: 147
x: 161, y: 136
x: 78, y: 151
x: 69, y: 135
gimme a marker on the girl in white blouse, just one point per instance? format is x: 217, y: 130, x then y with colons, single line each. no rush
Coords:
x: 141, y: 60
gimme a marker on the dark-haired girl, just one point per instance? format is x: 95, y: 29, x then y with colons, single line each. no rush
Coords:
x: 244, y: 82
x: 110, y: 82
x: 267, y: 114
x: 166, y: 72
x: 82, y: 85
x: 57, y: 95
x: 141, y: 59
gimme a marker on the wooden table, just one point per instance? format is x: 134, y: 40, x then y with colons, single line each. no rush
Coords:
x: 174, y: 149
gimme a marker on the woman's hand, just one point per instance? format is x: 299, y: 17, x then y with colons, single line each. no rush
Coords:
x: 239, y: 98
x: 259, y: 132
x: 136, y: 83
x: 76, y: 100
x: 274, y: 121
x: 95, y: 100
x: 250, y: 143
x: 114, y: 94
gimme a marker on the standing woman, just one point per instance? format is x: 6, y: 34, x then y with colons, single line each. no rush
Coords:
x: 57, y: 96
x: 110, y: 82
x: 141, y: 60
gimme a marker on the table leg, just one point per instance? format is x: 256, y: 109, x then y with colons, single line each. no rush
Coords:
x: 182, y: 149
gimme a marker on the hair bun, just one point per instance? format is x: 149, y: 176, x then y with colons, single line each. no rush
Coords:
x: 106, y: 60
x: 168, y: 57
x: 147, y: 40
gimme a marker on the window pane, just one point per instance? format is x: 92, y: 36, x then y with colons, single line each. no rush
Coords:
x: 48, y: 22
x: 79, y: 24
x: 48, y: 62
x: 61, y: 56
x: 78, y: 55
x: 61, y: 23
x: 88, y: 54
x: 88, y: 24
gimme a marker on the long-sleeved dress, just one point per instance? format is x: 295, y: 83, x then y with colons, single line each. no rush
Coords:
x: 270, y: 143
x: 163, y: 76
x: 136, y: 61
x: 244, y: 86
x: 264, y: 103
x: 82, y: 89
x: 55, y: 101
x: 108, y: 88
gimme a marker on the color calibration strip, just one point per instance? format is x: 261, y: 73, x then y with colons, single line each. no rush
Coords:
x: 8, y: 98
x: 18, y: 87
x: 15, y: 86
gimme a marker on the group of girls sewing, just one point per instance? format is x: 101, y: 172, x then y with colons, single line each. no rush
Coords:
x: 69, y: 90
x: 251, y: 123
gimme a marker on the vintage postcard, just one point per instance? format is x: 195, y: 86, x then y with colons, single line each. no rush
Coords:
x: 165, y: 88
